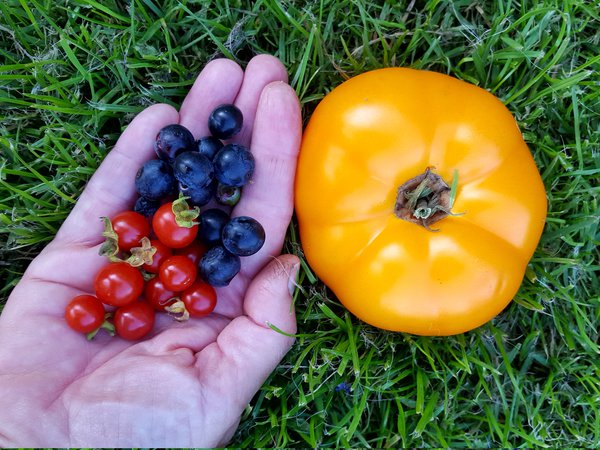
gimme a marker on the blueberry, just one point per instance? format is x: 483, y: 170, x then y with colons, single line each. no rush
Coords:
x: 228, y: 195
x: 173, y: 140
x: 225, y: 121
x: 193, y: 170
x: 145, y: 206
x: 218, y: 266
x: 209, y: 146
x: 234, y: 165
x: 198, y: 196
x: 210, y: 225
x: 154, y: 180
x: 243, y: 236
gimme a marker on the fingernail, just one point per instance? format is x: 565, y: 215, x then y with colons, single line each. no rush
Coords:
x: 292, y: 283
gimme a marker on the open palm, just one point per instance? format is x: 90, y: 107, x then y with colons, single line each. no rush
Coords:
x: 187, y: 384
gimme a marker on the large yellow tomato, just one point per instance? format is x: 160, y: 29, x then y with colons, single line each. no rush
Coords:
x: 379, y: 158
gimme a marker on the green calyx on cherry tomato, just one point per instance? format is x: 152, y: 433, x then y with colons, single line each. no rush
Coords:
x: 134, y: 321
x: 177, y: 272
x: 118, y: 284
x: 171, y: 231
x: 162, y: 252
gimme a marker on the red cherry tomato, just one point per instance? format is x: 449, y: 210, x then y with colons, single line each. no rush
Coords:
x: 177, y: 273
x: 134, y: 321
x: 157, y: 295
x: 195, y: 251
x: 162, y: 253
x: 200, y: 299
x: 84, y: 313
x: 168, y: 231
x: 131, y: 227
x: 118, y: 284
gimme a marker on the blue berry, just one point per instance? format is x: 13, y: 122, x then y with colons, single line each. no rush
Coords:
x: 198, y: 196
x: 209, y: 146
x: 145, y: 206
x: 154, y: 180
x: 173, y: 140
x: 193, y: 170
x: 218, y: 267
x: 243, y: 236
x: 210, y: 225
x: 234, y: 165
x: 225, y: 121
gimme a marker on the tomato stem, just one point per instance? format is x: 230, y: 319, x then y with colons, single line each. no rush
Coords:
x: 424, y: 200
x: 106, y: 325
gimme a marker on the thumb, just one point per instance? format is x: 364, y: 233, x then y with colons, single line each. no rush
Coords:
x: 248, y: 349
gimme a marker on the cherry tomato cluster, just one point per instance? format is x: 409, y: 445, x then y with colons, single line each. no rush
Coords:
x: 145, y: 274
x: 166, y: 255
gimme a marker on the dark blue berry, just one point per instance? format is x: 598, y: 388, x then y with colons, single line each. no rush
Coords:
x: 198, y: 196
x: 225, y: 121
x: 173, y: 140
x: 193, y: 170
x: 210, y: 225
x: 155, y: 180
x: 218, y: 266
x: 228, y: 195
x: 145, y: 206
x: 243, y: 236
x: 234, y: 165
x: 209, y: 146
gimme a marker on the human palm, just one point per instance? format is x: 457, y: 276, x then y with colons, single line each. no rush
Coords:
x: 187, y: 384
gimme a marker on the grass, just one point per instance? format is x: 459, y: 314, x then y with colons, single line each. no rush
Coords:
x: 73, y: 73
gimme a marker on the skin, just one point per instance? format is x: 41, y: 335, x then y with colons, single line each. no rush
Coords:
x: 187, y: 385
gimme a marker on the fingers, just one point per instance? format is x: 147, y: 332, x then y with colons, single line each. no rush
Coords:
x: 275, y: 144
x: 218, y: 83
x: 223, y: 81
x: 248, y: 350
x: 112, y: 188
x: 261, y: 71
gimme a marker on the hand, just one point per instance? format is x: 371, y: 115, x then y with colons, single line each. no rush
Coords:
x: 186, y: 385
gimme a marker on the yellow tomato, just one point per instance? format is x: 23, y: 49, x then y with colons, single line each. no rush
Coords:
x: 373, y: 190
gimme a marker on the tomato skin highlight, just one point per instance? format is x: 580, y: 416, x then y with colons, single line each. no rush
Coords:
x: 368, y: 137
x: 134, y: 321
x: 177, y: 273
x: 168, y: 231
x: 130, y: 227
x: 84, y: 313
x: 200, y: 299
x: 118, y: 284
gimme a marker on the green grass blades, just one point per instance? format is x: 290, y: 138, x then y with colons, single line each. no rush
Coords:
x: 73, y: 74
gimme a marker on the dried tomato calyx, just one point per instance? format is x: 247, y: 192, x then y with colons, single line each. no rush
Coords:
x: 424, y: 200
x: 178, y: 308
x: 185, y: 216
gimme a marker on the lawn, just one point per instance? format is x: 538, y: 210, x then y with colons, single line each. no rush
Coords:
x: 74, y: 73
